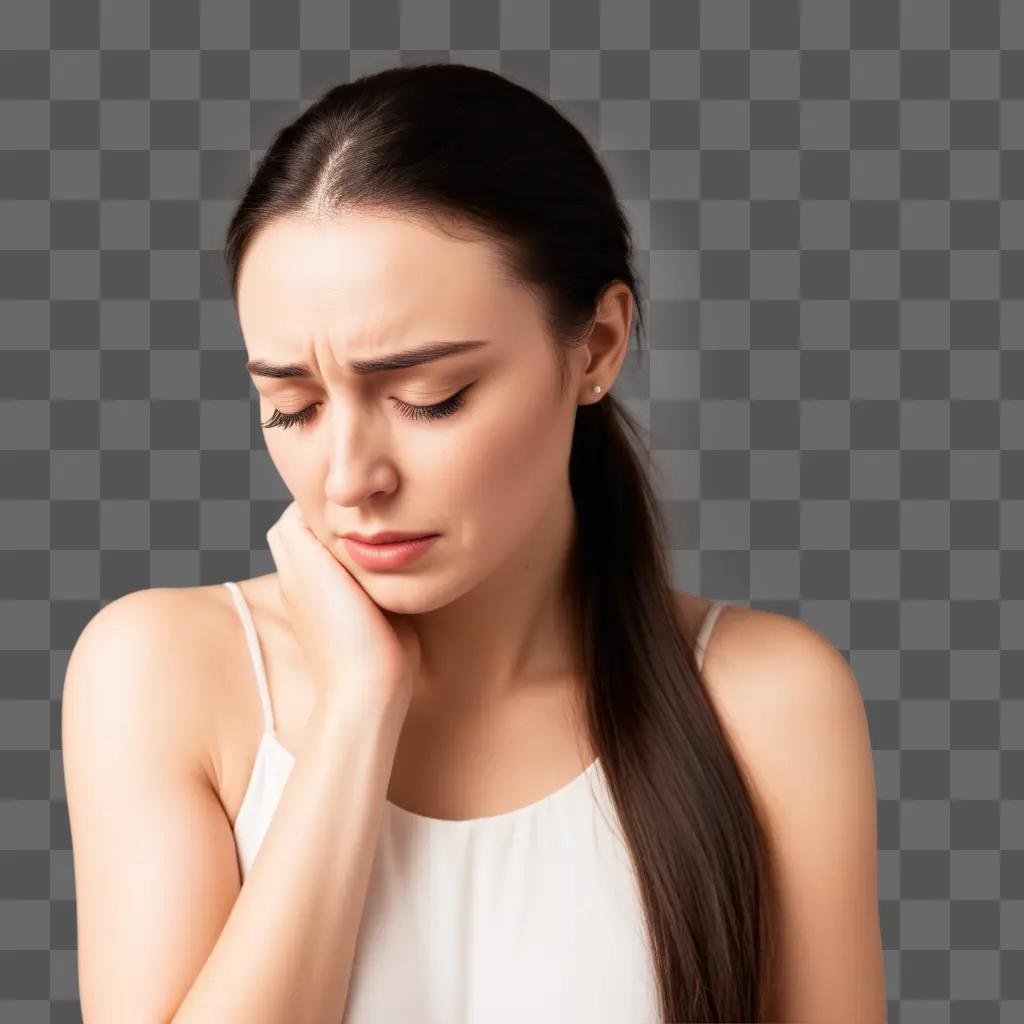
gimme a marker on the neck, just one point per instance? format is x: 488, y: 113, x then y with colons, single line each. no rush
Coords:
x: 508, y: 637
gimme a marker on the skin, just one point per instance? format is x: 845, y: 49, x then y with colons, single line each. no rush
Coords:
x: 793, y: 711
x: 492, y: 479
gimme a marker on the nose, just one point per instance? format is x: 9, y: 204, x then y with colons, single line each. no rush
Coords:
x: 359, y: 469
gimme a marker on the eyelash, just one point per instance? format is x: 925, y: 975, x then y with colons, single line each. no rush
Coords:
x: 412, y: 412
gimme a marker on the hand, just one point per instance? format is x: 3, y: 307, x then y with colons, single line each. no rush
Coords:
x: 355, y: 650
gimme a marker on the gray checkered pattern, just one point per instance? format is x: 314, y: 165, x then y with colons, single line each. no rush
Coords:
x: 828, y: 201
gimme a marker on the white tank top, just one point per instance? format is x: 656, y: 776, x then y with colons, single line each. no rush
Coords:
x: 531, y: 915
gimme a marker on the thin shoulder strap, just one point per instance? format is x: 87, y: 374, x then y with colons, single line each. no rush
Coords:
x: 710, y: 617
x: 254, y: 652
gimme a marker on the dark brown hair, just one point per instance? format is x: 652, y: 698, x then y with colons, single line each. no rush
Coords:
x: 460, y: 145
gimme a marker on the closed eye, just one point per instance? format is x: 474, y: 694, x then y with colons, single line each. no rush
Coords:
x: 439, y: 410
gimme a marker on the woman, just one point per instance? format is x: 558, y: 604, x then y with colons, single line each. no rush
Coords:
x: 490, y: 774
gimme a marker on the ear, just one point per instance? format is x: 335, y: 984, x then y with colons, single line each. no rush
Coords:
x: 608, y: 339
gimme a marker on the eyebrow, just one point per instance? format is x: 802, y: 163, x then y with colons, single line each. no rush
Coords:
x: 427, y: 353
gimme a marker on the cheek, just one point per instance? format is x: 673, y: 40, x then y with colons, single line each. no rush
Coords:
x: 514, y: 458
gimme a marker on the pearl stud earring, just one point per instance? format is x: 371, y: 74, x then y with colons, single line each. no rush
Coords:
x: 597, y: 389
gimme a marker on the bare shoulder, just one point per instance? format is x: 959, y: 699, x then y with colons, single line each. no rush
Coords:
x: 153, y: 650
x: 782, y: 689
x: 155, y: 861
x: 794, y: 715
x: 763, y: 660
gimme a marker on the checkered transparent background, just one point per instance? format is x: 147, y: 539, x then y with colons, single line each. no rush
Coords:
x: 828, y: 205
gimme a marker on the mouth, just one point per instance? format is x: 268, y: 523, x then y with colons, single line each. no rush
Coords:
x: 390, y: 555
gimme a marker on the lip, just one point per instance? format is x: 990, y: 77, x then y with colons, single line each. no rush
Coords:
x: 385, y: 536
x: 387, y: 556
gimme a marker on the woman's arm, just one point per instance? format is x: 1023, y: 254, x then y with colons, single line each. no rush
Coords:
x: 795, y: 711
x: 165, y: 931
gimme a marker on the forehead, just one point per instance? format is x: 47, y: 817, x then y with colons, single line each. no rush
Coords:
x: 364, y: 280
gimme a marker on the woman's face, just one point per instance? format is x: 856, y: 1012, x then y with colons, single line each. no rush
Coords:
x: 483, y: 472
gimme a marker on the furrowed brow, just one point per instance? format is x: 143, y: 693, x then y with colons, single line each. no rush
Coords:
x: 427, y: 353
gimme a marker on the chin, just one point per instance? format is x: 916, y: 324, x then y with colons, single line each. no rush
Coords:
x: 402, y: 597
x: 412, y: 594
